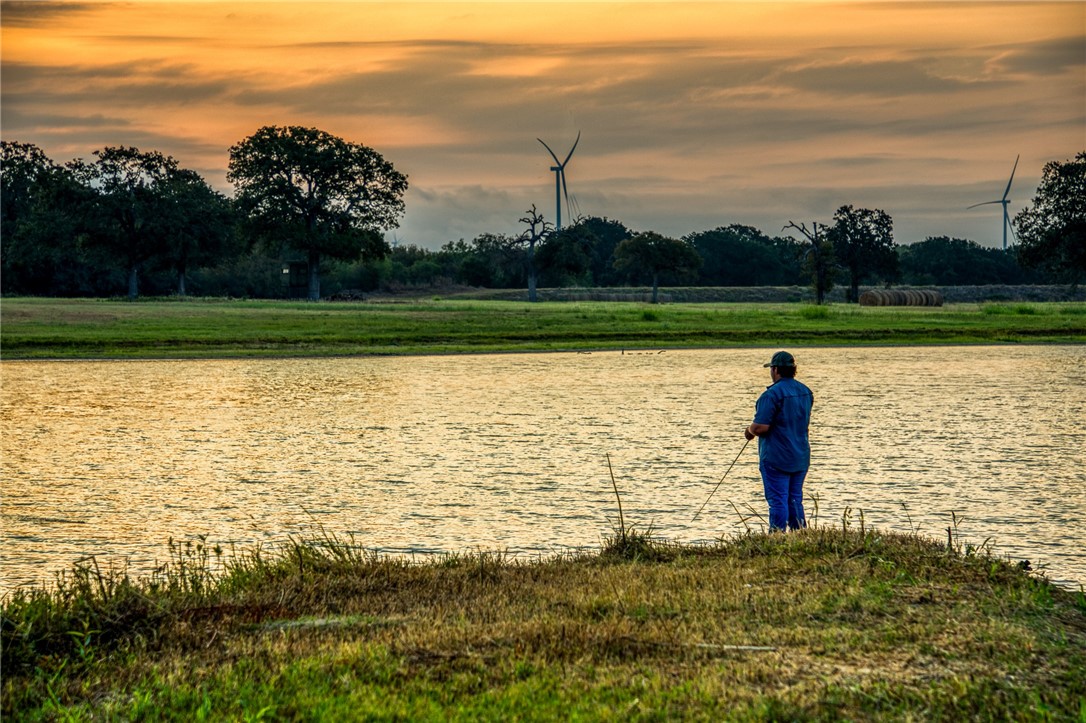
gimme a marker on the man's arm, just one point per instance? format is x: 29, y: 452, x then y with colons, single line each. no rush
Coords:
x: 756, y: 430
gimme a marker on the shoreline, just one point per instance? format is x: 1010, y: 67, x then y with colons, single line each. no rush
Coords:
x: 503, y: 352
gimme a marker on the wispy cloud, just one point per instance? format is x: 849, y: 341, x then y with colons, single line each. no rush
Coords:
x: 693, y: 114
x: 34, y: 13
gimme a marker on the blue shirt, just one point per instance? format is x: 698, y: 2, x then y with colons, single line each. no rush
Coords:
x: 786, y: 407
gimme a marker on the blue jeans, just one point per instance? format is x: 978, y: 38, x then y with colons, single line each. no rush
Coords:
x: 784, y: 493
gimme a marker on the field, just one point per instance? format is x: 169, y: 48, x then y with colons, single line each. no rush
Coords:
x: 829, y: 623
x: 200, y: 328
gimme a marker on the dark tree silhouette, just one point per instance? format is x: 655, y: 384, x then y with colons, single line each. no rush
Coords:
x: 863, y: 243
x: 131, y: 215
x: 958, y: 262
x: 608, y: 234
x: 317, y: 193
x: 739, y: 255
x: 40, y: 204
x: 818, y: 260
x: 1052, y: 232
x: 199, y: 226
x: 650, y: 253
x: 537, y: 230
x: 566, y: 255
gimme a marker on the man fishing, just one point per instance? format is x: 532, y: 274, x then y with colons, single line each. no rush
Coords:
x: 782, y: 416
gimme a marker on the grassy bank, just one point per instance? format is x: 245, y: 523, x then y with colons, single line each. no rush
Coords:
x: 821, y: 625
x: 72, y: 329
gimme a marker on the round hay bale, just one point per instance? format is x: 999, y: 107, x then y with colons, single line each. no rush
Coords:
x: 869, y: 298
x: 901, y: 297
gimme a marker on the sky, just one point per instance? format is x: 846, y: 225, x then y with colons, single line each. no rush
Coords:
x: 692, y: 115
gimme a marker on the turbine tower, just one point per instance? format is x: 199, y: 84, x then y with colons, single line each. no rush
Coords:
x: 560, y: 180
x: 1003, y: 202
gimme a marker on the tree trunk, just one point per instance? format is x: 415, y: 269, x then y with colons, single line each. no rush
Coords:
x: 133, y: 282
x: 314, y: 275
x: 531, y: 269
x: 181, y: 282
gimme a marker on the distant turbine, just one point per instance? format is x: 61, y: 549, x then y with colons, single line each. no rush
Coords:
x: 560, y: 180
x: 1003, y: 202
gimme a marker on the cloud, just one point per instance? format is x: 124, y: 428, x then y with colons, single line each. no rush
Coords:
x: 138, y: 83
x: 874, y: 78
x: 440, y: 215
x: 34, y: 13
x: 685, y: 126
x: 1045, y: 58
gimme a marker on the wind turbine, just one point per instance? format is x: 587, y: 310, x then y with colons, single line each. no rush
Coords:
x: 1003, y: 202
x: 560, y: 179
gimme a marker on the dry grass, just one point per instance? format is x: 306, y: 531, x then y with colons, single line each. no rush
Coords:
x: 822, y: 624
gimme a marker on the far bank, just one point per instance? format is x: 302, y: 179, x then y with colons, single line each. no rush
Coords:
x: 46, y: 328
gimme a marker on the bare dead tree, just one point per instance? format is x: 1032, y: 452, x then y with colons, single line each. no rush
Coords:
x: 537, y: 230
x: 818, y: 259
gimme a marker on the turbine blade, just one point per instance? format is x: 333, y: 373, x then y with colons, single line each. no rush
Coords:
x: 571, y: 150
x: 550, y: 151
x: 565, y: 192
x: 1012, y: 177
x: 986, y: 203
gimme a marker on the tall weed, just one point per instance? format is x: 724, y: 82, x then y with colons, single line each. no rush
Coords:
x: 626, y: 542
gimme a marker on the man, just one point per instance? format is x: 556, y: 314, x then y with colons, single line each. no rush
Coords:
x: 782, y: 416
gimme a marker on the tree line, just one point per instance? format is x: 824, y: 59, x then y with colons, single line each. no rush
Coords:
x: 309, y: 212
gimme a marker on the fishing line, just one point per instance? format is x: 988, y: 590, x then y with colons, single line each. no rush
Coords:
x: 721, y: 480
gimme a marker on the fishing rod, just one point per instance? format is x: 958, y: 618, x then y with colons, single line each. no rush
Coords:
x: 721, y: 480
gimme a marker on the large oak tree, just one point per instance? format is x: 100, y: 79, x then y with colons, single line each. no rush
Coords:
x: 143, y: 209
x: 863, y: 243
x: 1052, y: 232
x: 130, y: 213
x: 316, y: 193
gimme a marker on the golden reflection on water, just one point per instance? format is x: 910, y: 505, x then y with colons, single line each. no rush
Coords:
x: 508, y: 452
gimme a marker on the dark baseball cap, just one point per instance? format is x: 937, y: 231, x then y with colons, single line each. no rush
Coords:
x: 781, y: 359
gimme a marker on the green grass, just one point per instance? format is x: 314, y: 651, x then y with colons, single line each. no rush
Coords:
x: 826, y: 624
x: 72, y: 329
x: 1020, y: 309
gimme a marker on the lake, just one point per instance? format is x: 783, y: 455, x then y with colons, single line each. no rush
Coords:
x: 423, y: 455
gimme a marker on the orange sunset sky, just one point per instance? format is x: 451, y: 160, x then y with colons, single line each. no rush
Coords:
x: 693, y: 115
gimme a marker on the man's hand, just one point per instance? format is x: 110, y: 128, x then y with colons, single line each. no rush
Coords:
x: 756, y: 430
